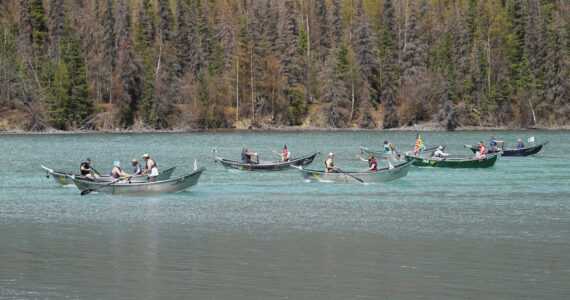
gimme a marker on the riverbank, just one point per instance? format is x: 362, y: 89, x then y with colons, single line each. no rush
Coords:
x: 419, y: 128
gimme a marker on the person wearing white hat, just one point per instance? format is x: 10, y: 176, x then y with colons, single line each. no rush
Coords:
x: 151, y: 168
x: 439, y: 153
x: 329, y: 164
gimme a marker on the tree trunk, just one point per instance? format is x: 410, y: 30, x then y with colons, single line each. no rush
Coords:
x: 237, y: 91
x: 158, y: 64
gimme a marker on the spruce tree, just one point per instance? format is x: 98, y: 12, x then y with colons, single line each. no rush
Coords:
x: 388, y: 50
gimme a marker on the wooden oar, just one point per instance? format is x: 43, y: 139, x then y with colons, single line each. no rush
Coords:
x: 85, y: 192
x: 96, y: 174
x: 346, y: 173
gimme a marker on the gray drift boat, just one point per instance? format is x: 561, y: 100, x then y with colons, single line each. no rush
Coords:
x: 129, y: 188
x: 64, y: 178
x: 383, y: 175
x: 267, y: 165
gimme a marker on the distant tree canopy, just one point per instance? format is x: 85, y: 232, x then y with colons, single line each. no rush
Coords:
x: 102, y: 64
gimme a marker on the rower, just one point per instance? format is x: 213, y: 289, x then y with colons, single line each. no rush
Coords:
x: 151, y: 168
x: 137, y: 169
x: 285, y: 156
x: 439, y: 153
x: 482, y: 153
x: 387, y: 147
x: 372, y: 164
x: 246, y: 156
x: 117, y: 173
x: 494, y: 142
x: 329, y: 164
x: 85, y: 168
x: 520, y: 144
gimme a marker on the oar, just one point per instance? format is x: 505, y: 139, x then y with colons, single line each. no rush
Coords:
x: 93, y: 169
x: 346, y: 173
x: 85, y: 192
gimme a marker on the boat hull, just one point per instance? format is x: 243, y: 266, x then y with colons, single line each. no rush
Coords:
x: 381, y: 153
x: 64, y: 178
x: 383, y: 175
x: 453, y: 162
x: 126, y: 188
x: 267, y: 166
x: 513, y: 152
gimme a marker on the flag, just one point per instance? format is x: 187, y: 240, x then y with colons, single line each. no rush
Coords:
x: 531, y: 139
x: 195, y: 165
x: 418, y: 144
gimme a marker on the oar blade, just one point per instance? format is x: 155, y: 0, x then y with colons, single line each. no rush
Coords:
x: 85, y: 192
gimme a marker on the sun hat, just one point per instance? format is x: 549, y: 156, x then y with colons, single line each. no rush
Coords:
x: 331, y: 154
x: 117, y: 163
x: 145, y: 155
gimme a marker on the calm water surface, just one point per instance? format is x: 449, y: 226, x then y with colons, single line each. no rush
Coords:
x: 501, y: 232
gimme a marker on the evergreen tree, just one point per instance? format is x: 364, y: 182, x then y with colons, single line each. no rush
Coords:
x: 289, y: 35
x: 57, y: 21
x: 366, y: 53
x: 389, y: 73
x: 127, y: 80
x: 324, y: 38
x: 337, y: 25
x: 165, y: 21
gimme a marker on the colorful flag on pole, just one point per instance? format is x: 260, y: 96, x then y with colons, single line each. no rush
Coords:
x: 418, y: 144
x: 531, y: 139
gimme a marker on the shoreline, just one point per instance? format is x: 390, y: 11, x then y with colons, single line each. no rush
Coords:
x: 419, y: 128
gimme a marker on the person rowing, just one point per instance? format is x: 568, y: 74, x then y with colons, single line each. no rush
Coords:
x: 85, y: 168
x: 329, y: 164
x: 246, y: 156
x: 520, y: 144
x: 151, y: 168
x: 493, y: 143
x: 387, y: 147
x: 137, y: 169
x: 285, y: 156
x: 372, y: 164
x: 117, y: 173
x: 439, y: 153
x: 482, y: 153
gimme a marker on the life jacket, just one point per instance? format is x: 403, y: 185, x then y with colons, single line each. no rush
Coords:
x: 115, y: 175
x: 483, y: 151
x: 86, y: 165
x: 285, y: 154
x: 245, y: 158
x: 373, y: 162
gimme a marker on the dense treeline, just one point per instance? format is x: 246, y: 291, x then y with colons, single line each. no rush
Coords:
x: 156, y: 64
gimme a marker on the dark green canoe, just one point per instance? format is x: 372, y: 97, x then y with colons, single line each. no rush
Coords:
x: 453, y: 162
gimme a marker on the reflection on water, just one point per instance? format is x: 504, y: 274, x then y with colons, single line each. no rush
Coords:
x: 493, y: 233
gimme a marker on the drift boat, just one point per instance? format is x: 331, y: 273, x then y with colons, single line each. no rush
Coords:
x: 129, y: 188
x: 267, y: 165
x: 383, y: 175
x: 64, y: 178
x: 512, y: 152
x: 447, y: 162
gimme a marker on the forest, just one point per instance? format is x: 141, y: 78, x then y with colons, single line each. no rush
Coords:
x: 207, y: 64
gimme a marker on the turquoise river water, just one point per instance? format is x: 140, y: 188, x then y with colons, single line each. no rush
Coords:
x: 496, y: 233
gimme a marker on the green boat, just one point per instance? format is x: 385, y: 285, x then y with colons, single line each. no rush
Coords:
x: 420, y: 161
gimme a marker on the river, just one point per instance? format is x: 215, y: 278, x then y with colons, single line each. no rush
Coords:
x: 501, y: 232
